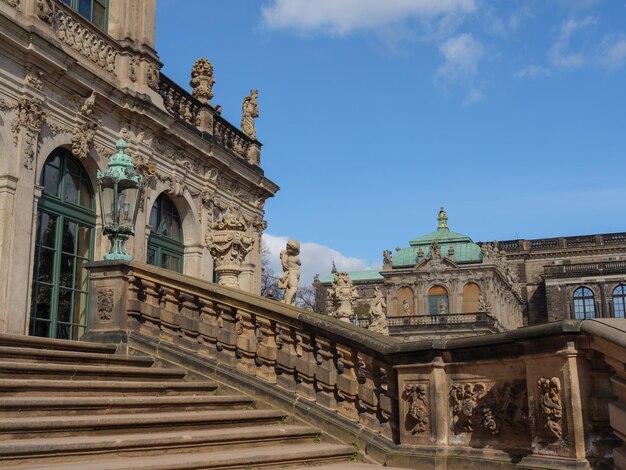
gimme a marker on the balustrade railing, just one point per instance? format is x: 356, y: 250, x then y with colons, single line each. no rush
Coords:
x: 598, y: 268
x: 470, y: 394
x: 181, y: 104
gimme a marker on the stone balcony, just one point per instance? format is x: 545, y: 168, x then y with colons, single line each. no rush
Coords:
x: 585, y: 269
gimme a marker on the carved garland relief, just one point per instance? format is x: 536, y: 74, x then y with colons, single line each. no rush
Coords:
x: 550, y: 406
x: 104, y: 303
x: 417, y: 416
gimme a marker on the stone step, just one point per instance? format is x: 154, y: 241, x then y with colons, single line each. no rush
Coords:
x: 277, y: 456
x: 21, y: 341
x: 87, y: 372
x: 38, y: 387
x: 37, y: 427
x: 14, y: 354
x: 14, y: 453
x: 76, y: 405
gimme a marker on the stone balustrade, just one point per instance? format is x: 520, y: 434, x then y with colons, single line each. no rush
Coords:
x: 523, y: 396
x: 204, y: 120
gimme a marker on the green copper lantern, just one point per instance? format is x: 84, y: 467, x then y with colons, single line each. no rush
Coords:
x: 120, y: 189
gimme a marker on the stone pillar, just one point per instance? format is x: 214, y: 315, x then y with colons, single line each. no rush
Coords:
x: 133, y: 21
x: 229, y: 244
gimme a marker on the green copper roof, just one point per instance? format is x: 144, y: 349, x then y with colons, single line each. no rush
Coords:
x: 367, y: 275
x: 465, y: 250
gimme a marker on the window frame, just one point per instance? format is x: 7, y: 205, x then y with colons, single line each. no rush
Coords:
x: 162, y: 244
x: 619, y: 298
x: 581, y: 301
x: 75, y: 5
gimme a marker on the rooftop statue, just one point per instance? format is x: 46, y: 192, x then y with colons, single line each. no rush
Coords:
x: 387, y: 259
x: 343, y: 295
x: 202, y: 80
x: 442, y: 218
x: 378, y: 319
x: 291, y: 271
x: 250, y: 111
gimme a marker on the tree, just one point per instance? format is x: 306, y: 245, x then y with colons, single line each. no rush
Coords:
x: 269, y: 279
x: 305, y: 297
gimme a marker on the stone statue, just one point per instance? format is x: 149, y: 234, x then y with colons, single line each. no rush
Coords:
x: 435, y: 251
x: 442, y: 219
x: 387, y: 259
x: 202, y: 80
x: 250, y: 111
x: 482, y: 303
x: 378, y: 320
x: 343, y: 295
x: 443, y: 307
x: 406, y: 310
x: 291, y: 271
x: 550, y: 405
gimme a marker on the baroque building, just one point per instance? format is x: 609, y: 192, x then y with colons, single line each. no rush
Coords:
x: 74, y: 78
x: 444, y: 284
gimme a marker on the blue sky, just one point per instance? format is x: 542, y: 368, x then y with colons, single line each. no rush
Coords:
x: 511, y: 114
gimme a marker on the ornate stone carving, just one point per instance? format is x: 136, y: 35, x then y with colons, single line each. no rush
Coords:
x: 490, y: 407
x: 104, y: 303
x: 133, y: 67
x: 550, y: 406
x: 291, y: 271
x: 33, y: 77
x: 13, y: 3
x: 152, y: 76
x: 417, y: 415
x: 85, y: 42
x: 29, y: 116
x: 44, y: 10
x: 82, y: 138
x: 483, y: 305
x: 343, y: 295
x: 378, y: 319
x: 229, y: 244
x: 250, y: 111
x: 387, y: 259
x: 202, y: 81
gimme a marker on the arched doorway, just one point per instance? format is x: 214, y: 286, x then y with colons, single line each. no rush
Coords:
x: 66, y: 220
x: 165, y: 244
x: 438, y: 300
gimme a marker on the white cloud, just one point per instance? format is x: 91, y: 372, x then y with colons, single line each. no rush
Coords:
x: 341, y: 17
x: 613, y: 52
x: 559, y: 53
x: 462, y: 53
x: 533, y: 71
x: 315, y: 258
x: 473, y: 96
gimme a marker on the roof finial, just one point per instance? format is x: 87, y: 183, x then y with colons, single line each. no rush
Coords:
x: 442, y: 217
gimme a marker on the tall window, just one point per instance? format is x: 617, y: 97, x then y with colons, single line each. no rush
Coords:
x: 619, y: 301
x: 584, y: 303
x: 438, y: 300
x: 95, y: 11
x: 64, y: 244
x: 471, y: 298
x: 165, y: 244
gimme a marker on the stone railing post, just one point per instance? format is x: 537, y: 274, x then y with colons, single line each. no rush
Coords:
x: 347, y: 383
x: 246, y: 342
x: 208, y: 329
x: 286, y: 357
x: 305, y: 366
x: 226, y: 334
x: 266, y: 350
x: 189, y: 318
x: 326, y: 373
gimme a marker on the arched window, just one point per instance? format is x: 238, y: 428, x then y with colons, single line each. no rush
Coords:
x: 405, y: 303
x: 619, y: 301
x: 66, y: 220
x: 584, y: 303
x: 471, y: 298
x: 438, y: 300
x: 165, y: 244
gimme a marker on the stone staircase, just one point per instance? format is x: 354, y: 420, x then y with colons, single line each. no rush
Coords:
x: 77, y: 405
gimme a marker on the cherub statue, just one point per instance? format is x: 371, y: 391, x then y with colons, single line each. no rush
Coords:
x: 291, y: 271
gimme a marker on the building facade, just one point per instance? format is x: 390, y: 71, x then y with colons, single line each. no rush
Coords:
x: 74, y: 78
x: 445, y: 284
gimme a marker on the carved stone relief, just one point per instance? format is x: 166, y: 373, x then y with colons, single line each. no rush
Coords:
x: 13, y: 3
x: 84, y: 132
x: 104, y: 303
x: 416, y: 419
x: 202, y: 80
x: 85, y: 42
x: 29, y: 116
x: 550, y: 406
x: 490, y: 408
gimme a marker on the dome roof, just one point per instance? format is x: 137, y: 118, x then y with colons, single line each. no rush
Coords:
x: 465, y: 250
